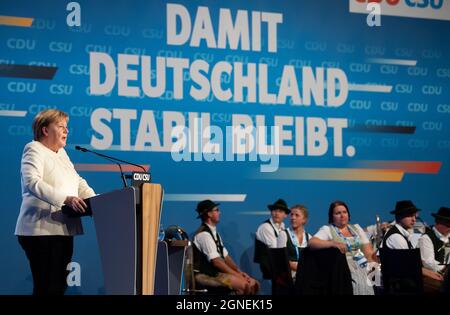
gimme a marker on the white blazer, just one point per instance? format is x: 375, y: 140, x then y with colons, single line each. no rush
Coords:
x: 47, y: 179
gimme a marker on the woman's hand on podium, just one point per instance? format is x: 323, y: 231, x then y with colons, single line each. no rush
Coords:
x: 76, y: 203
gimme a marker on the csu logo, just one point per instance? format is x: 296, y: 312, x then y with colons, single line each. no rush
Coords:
x: 443, y: 72
x: 79, y: 69
x: 389, y: 106
x: 388, y: 69
x: 435, y: 4
x: 404, y: 88
x: 60, y: 47
x: 423, y: 9
x: 443, y: 108
x: 61, y: 89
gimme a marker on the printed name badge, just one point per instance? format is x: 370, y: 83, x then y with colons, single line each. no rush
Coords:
x: 139, y: 178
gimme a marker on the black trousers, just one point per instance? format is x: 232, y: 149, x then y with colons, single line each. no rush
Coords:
x: 48, y: 257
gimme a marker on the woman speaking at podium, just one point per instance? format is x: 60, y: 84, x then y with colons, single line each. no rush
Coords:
x: 49, y: 181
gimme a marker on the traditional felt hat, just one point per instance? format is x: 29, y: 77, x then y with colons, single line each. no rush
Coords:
x: 404, y: 208
x: 205, y: 206
x: 280, y: 204
x: 442, y: 214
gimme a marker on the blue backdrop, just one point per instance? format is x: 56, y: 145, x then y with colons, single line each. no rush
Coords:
x: 395, y: 114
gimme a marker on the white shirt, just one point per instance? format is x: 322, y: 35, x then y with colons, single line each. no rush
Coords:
x: 282, y: 240
x: 47, y: 178
x: 324, y: 234
x: 415, y: 232
x: 265, y: 233
x: 397, y: 241
x: 427, y: 251
x: 206, y: 244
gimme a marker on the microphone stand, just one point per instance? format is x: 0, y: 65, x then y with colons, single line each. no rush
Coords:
x: 109, y: 157
x: 112, y: 159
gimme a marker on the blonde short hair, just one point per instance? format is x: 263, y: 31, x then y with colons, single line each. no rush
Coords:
x: 302, y: 208
x: 45, y: 118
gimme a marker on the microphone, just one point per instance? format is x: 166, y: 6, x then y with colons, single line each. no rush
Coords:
x: 109, y: 157
x: 112, y: 159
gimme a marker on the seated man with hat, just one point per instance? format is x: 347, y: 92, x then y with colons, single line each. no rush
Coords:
x: 434, y: 243
x: 213, y: 266
x: 398, y: 237
x: 267, y: 235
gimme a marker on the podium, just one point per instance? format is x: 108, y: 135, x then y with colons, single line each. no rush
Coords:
x: 127, y: 226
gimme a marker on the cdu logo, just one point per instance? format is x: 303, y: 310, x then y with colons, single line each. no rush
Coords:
x: 19, y: 130
x: 117, y: 30
x: 374, y: 50
x: 418, y: 143
x: 376, y: 122
x: 21, y: 87
x: 432, y: 126
x: 417, y: 107
x: 42, y: 63
x: 417, y: 71
x: 98, y: 48
x: 432, y: 89
x: 360, y: 104
x: 21, y: 44
x: 42, y: 24
x: 360, y: 67
x: 299, y: 63
x: 431, y: 54
x: 173, y: 54
x: 316, y: 46
x: 361, y: 142
x: 36, y: 108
